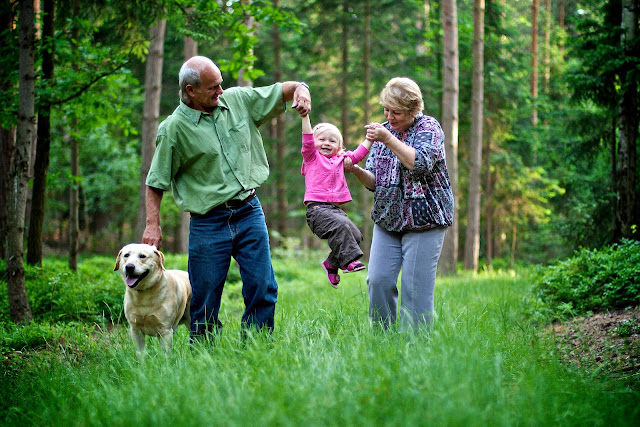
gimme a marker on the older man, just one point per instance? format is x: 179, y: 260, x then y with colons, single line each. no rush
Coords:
x: 211, y: 155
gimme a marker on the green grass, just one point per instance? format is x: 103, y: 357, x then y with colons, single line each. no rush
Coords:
x: 483, y: 363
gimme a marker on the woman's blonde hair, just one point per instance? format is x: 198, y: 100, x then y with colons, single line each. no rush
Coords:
x: 402, y: 94
x: 328, y: 127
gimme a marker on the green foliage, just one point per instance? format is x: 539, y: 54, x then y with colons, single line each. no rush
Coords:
x: 89, y: 44
x: 594, y: 76
x: 103, y: 122
x: 628, y: 327
x: 524, y: 194
x: 8, y: 65
x: 593, y: 280
x: 37, y: 336
x: 93, y: 294
x: 209, y: 22
x: 16, y: 337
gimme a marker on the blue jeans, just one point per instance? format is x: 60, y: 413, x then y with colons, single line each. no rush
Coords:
x: 214, y: 238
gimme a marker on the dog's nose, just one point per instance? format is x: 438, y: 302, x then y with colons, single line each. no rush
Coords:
x: 130, y: 268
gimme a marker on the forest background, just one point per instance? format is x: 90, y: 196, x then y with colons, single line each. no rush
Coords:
x: 538, y: 99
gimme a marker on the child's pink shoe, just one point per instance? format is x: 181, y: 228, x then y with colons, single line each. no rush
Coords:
x: 332, y: 273
x: 354, y: 266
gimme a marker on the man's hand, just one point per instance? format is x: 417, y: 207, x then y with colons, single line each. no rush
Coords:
x: 152, y: 236
x: 302, y: 100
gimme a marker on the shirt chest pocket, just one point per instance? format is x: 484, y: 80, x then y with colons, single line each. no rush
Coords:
x: 240, y: 135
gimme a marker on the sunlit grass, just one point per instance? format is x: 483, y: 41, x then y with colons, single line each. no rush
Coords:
x: 483, y: 363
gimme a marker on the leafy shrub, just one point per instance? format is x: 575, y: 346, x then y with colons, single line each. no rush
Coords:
x: 94, y: 293
x: 592, y: 280
x: 628, y: 327
x: 15, y: 337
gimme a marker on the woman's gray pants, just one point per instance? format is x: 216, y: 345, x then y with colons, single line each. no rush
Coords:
x: 416, y: 254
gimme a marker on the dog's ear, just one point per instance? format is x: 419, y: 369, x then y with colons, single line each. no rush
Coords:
x: 117, y: 267
x: 160, y: 257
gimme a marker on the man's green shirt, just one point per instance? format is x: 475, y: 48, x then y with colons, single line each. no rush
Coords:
x: 208, y: 159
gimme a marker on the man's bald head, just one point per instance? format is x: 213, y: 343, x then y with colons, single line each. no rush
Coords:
x: 190, y: 74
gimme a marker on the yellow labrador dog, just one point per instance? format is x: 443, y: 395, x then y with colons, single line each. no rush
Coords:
x: 156, y: 300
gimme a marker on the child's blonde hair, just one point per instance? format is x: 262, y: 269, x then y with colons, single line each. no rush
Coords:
x: 328, y: 127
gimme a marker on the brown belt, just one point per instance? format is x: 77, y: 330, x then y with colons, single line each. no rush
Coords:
x: 235, y: 203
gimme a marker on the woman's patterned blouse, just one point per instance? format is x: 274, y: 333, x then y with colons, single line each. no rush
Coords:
x: 419, y: 199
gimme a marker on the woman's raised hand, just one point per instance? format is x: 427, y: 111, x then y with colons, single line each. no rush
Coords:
x: 348, y: 165
x: 377, y: 132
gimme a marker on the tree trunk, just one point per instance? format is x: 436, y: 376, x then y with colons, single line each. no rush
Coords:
x: 450, y: 93
x: 19, y: 172
x: 472, y: 239
x: 190, y: 50
x: 534, y: 62
x: 439, y: 54
x: 150, y: 113
x: 41, y: 163
x: 7, y: 143
x: 32, y: 155
x: 7, y: 147
x: 344, y: 87
x: 547, y: 46
x: 344, y: 78
x: 190, y: 47
x: 280, y: 142
x: 627, y: 204
x: 365, y: 198
x: 74, y: 204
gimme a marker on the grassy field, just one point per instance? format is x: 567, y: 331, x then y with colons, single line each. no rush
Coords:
x: 483, y: 363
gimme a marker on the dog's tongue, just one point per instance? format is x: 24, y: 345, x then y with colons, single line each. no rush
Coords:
x: 131, y: 281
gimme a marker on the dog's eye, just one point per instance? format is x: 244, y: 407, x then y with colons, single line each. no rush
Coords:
x: 142, y: 256
x: 126, y: 255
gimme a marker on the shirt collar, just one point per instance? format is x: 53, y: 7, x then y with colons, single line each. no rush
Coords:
x: 195, y: 115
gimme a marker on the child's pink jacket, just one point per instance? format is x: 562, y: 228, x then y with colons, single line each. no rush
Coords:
x: 324, y: 176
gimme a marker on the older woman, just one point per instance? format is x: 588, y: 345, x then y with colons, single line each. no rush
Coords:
x: 413, y: 206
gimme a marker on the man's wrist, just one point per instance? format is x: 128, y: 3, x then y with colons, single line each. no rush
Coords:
x: 302, y: 84
x: 152, y: 223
